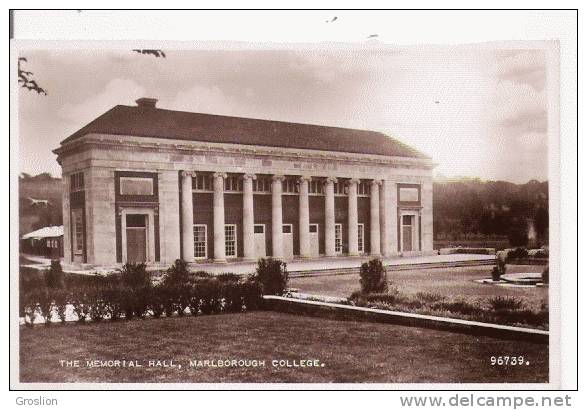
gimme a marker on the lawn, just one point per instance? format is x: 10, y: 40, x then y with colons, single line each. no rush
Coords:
x: 350, y: 351
x: 450, y: 282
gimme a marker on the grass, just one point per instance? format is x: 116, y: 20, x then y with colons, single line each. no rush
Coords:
x: 448, y: 282
x: 350, y: 351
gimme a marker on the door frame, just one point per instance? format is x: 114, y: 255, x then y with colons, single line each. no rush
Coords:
x: 150, y: 237
x: 415, y: 229
x: 339, y: 252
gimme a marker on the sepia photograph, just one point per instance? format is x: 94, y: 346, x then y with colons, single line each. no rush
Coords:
x: 281, y: 213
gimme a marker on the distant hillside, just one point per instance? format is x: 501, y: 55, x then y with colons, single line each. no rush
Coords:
x: 471, y: 208
x: 463, y: 209
x: 39, y: 202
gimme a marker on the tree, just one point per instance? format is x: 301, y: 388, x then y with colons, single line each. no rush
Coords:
x: 25, y: 78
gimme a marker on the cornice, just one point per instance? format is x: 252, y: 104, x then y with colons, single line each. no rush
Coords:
x: 196, y: 147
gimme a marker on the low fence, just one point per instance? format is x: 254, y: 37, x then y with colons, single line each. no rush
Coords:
x: 347, y: 312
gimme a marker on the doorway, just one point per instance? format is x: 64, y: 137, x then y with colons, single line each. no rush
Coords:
x: 136, y: 238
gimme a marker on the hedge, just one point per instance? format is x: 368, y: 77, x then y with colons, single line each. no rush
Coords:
x: 128, y: 294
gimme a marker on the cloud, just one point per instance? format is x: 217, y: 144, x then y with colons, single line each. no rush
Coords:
x: 117, y: 91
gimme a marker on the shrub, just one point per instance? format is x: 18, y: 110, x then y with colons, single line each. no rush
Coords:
x: 61, y: 300
x: 540, y: 254
x: 545, y: 275
x: 252, y: 295
x: 158, y: 300
x: 44, y: 298
x: 135, y: 275
x: 373, y: 277
x: 429, y: 297
x: 81, y: 305
x: 54, y: 276
x: 232, y: 295
x: 210, y: 295
x: 272, y: 276
x: 518, y: 253
x: 177, y: 274
x: 228, y: 277
x: 506, y: 303
x: 495, y: 274
x: 98, y: 308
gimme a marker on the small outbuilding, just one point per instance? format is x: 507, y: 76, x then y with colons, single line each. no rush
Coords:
x: 47, y: 242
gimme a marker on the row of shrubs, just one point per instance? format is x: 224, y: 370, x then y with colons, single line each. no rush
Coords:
x: 498, y: 309
x: 522, y: 253
x: 131, y: 292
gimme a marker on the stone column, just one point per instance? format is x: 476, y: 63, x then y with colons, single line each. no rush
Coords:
x: 219, y: 240
x: 277, y: 216
x: 427, y: 218
x: 353, y: 218
x: 304, y: 214
x: 248, y: 217
x: 391, y: 203
x: 187, y: 217
x: 385, y: 218
x: 374, y: 225
x: 67, y: 249
x: 329, y: 248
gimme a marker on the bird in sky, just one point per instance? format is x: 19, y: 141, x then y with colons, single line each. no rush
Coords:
x: 373, y: 36
x: 333, y: 20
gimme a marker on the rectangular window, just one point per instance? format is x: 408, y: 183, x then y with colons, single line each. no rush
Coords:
x: 313, y: 228
x: 233, y: 183
x: 340, y: 188
x: 407, y: 220
x: 77, y: 182
x: 290, y: 186
x: 361, y: 237
x: 316, y: 187
x: 338, y: 238
x: 203, y: 182
x: 364, y: 188
x: 287, y: 228
x: 262, y: 183
x: 78, y: 231
x: 200, y: 242
x: 259, y: 228
x: 136, y: 186
x: 230, y: 240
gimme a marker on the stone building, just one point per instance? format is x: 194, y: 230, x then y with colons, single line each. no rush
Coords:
x: 148, y: 184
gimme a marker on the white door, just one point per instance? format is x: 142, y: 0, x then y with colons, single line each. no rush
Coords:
x: 259, y: 234
x: 314, y: 241
x: 288, y: 241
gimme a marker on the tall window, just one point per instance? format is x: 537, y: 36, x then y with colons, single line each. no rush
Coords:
x: 361, y: 238
x: 200, y: 242
x: 230, y: 240
x: 77, y: 181
x: 78, y: 231
x: 338, y: 238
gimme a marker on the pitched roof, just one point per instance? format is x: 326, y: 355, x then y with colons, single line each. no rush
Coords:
x: 181, y: 125
x: 46, y: 232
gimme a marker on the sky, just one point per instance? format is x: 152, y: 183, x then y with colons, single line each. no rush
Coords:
x: 479, y: 112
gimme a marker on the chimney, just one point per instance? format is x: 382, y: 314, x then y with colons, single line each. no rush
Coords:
x: 146, y: 102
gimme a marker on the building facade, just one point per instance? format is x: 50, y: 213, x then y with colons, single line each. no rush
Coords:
x: 153, y: 185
